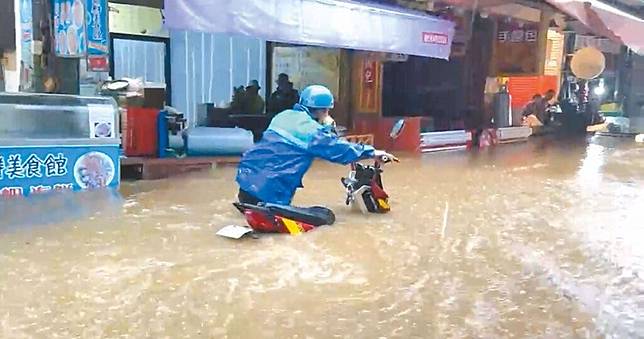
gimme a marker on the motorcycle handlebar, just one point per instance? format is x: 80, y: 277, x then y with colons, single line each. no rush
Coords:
x: 385, y: 159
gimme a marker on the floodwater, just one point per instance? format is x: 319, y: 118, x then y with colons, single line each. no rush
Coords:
x: 539, y: 240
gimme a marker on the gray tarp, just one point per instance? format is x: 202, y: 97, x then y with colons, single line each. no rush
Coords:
x: 329, y: 23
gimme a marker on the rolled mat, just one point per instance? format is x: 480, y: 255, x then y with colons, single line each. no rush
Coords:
x: 212, y: 141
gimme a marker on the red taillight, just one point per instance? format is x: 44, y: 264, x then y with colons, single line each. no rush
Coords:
x: 378, y: 192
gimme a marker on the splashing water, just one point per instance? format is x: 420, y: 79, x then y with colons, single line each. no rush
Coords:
x: 524, y: 241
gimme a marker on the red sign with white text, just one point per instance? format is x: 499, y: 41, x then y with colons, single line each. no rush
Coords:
x: 98, y: 64
x: 435, y: 38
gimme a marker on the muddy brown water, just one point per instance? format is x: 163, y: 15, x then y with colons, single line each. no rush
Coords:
x: 538, y: 240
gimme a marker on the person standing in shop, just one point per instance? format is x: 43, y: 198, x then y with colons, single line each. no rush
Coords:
x: 284, y: 97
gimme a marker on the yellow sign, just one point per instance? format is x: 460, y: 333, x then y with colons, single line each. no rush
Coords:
x: 136, y: 20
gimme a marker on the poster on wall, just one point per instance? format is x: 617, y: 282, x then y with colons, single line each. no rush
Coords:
x: 516, y: 48
x: 98, y: 48
x: 369, y: 87
x: 98, y: 63
x: 69, y: 28
x: 308, y: 66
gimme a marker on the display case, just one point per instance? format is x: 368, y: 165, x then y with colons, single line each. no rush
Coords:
x: 57, y: 143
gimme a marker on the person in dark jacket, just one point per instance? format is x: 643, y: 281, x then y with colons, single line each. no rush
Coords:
x: 285, y: 97
x: 273, y: 169
x: 252, y: 101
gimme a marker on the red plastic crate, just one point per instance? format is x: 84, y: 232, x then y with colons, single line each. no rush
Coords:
x: 140, y: 136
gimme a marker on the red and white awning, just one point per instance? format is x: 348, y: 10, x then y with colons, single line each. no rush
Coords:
x: 607, y: 21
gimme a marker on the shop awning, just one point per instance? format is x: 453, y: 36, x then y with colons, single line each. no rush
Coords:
x: 329, y: 23
x: 605, y: 20
x: 598, y: 17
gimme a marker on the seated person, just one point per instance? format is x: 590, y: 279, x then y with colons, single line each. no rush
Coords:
x: 252, y: 101
x: 532, y: 110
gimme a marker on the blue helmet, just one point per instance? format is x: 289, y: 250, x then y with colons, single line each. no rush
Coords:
x: 316, y: 97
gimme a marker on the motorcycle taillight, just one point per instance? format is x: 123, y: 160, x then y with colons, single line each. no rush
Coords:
x: 378, y: 192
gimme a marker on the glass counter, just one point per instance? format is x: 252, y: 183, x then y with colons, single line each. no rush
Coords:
x: 57, y: 143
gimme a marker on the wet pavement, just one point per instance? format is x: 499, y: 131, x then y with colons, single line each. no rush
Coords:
x: 540, y: 240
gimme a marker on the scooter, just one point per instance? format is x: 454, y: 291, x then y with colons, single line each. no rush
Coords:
x: 364, y: 191
x: 272, y: 218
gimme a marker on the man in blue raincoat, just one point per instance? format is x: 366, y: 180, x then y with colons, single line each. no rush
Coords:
x: 272, y: 170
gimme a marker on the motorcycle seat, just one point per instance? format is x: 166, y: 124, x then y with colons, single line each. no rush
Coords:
x: 316, y: 215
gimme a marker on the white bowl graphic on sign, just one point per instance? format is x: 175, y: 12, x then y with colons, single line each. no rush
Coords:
x: 94, y: 170
x: 103, y: 130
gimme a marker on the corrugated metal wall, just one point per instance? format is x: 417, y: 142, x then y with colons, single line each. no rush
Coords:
x: 206, y: 67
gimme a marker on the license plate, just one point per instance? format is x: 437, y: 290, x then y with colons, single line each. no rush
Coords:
x: 383, y: 204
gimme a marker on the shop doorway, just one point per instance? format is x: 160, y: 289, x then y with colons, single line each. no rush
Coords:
x: 426, y: 87
x: 313, y: 65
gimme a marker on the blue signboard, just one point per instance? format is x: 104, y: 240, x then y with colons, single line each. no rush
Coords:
x: 97, y: 29
x: 69, y: 28
x: 41, y: 169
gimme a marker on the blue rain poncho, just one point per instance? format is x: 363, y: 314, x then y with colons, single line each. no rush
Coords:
x: 273, y: 169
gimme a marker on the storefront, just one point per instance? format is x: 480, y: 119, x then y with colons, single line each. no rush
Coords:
x: 56, y: 142
x: 341, y: 44
x: 534, y: 45
x: 38, y: 57
x: 617, y: 91
x: 447, y: 94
